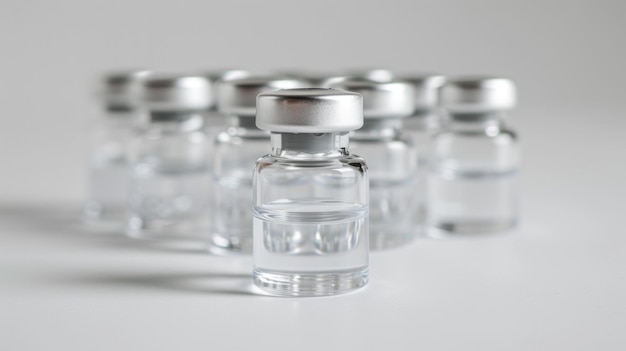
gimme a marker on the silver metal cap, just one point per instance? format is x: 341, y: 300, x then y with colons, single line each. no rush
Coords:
x: 117, y: 88
x: 237, y: 95
x: 216, y: 75
x: 478, y: 94
x: 315, y: 78
x: 312, y: 110
x: 426, y: 89
x: 174, y: 92
x: 381, y: 99
x: 375, y: 74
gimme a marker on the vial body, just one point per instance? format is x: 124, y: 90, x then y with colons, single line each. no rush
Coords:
x: 396, y: 190
x: 236, y: 150
x: 108, y: 171
x: 473, y: 178
x: 310, y: 218
x: 170, y: 184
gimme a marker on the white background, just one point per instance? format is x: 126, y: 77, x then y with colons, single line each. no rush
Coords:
x: 557, y: 283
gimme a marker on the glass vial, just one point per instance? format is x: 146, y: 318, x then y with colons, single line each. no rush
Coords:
x: 425, y: 120
x: 107, y: 165
x: 395, y: 196
x: 170, y: 182
x: 236, y: 149
x: 215, y: 121
x: 310, y: 195
x: 475, y: 160
x: 424, y: 123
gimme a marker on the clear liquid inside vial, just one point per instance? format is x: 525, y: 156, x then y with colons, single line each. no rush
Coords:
x: 236, y: 152
x: 232, y: 215
x: 316, y: 247
x: 395, y: 216
x: 108, y: 176
x: 473, y: 202
x: 472, y: 184
x: 172, y: 204
x: 396, y: 198
x: 108, y: 194
x: 311, y: 225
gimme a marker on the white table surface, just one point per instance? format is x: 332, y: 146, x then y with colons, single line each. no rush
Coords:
x: 557, y: 283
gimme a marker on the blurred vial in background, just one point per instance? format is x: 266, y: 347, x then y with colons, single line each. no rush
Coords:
x: 215, y: 121
x: 396, y: 202
x: 310, y: 195
x: 315, y: 78
x: 236, y: 150
x: 425, y: 120
x: 170, y: 180
x: 374, y: 74
x: 475, y: 159
x: 108, y: 167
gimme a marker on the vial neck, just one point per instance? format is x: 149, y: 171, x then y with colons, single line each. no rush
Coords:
x: 475, y: 122
x: 305, y: 145
x: 173, y: 121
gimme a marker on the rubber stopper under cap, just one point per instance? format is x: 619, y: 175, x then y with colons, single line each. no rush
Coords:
x: 237, y: 96
x: 478, y: 94
x: 313, y: 110
x: 175, y: 92
x: 381, y: 99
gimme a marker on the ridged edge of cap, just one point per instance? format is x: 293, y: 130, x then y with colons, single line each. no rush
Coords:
x: 118, y: 88
x: 311, y: 110
x: 169, y: 92
x: 478, y: 94
x: 381, y: 99
x: 237, y: 95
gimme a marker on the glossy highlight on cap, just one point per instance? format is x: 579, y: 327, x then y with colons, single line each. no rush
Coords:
x: 237, y: 95
x: 169, y: 92
x: 311, y: 110
x: 381, y: 99
x: 478, y: 94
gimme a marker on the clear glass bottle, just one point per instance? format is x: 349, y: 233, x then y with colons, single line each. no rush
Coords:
x: 236, y: 149
x: 108, y: 167
x: 216, y: 121
x: 310, y: 195
x: 170, y: 184
x: 475, y: 160
x: 391, y: 156
x: 425, y: 122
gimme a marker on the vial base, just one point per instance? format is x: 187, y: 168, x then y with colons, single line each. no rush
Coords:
x: 472, y: 202
x: 100, y: 217
x: 445, y: 228
x: 396, y: 214
x: 168, y: 204
x: 311, y: 284
x: 228, y: 245
x: 231, y: 216
x: 105, y: 210
x: 142, y: 228
x: 387, y: 240
x: 310, y: 248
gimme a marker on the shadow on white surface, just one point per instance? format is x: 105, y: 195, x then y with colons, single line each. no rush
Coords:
x: 53, y: 218
x: 63, y: 221
x: 200, y: 283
